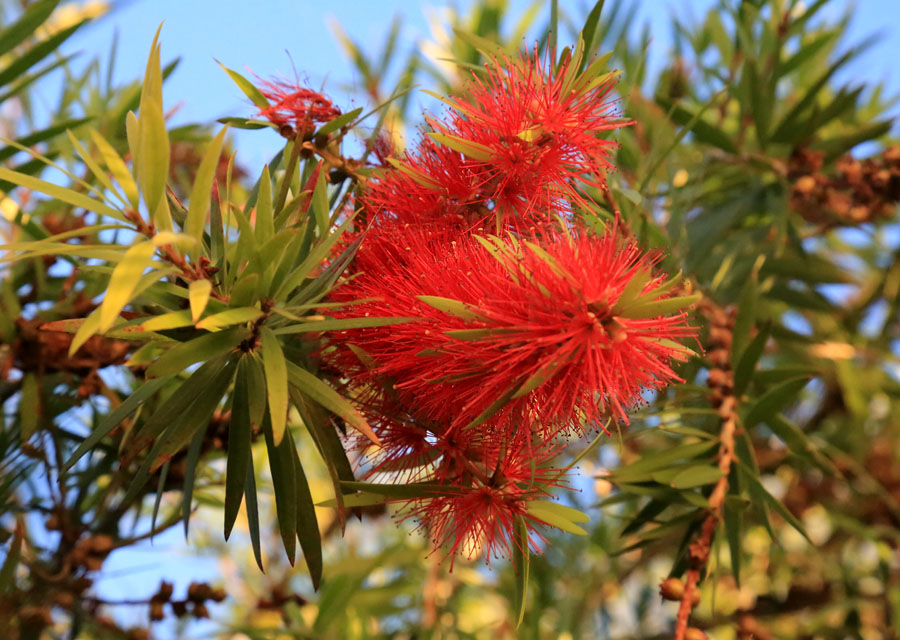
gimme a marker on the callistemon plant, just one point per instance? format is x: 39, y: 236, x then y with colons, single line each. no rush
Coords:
x: 523, y: 328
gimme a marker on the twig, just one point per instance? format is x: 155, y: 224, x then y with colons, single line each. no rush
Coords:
x: 700, y: 548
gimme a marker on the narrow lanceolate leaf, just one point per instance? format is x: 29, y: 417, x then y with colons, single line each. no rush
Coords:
x: 240, y: 433
x: 190, y: 472
x: 63, y: 194
x: 154, y: 166
x: 246, y: 86
x: 746, y: 364
x: 198, y: 295
x: 319, y: 204
x: 521, y: 563
x: 30, y: 403
x: 470, y: 149
x: 253, y: 513
x: 319, y: 392
x: 281, y: 464
x: 171, y: 320
x: 241, y: 315
x: 114, y: 418
x: 773, y: 401
x: 453, y: 307
x: 655, y: 308
x: 541, y: 510
x: 276, y: 382
x: 201, y: 192
x: 264, y: 213
x: 25, y: 26
x: 117, y: 168
x: 185, y: 426
x: 123, y: 281
x: 203, y: 349
x: 306, y: 522
x: 696, y: 476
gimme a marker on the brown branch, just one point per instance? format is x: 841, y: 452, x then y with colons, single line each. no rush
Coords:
x: 721, y: 381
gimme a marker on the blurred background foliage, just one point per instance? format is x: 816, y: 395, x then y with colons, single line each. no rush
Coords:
x: 769, y: 179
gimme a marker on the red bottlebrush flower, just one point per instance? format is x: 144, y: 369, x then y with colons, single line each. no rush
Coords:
x: 565, y: 329
x: 531, y: 133
x: 478, y: 515
x: 294, y: 106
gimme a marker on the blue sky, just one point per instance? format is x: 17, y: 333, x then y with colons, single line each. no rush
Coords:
x: 265, y: 36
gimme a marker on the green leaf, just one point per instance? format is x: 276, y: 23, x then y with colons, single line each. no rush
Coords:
x: 733, y: 515
x: 337, y: 123
x: 340, y: 324
x: 35, y: 14
x: 171, y: 320
x: 117, y: 168
x: 253, y: 513
x: 198, y: 206
x: 470, y: 149
x: 321, y: 393
x: 746, y: 318
x: 409, y: 490
x: 355, y: 500
x: 452, y: 307
x: 589, y: 30
x: 521, y: 566
x: 642, y: 469
x: 115, y: 417
x: 203, y: 349
x: 696, y: 476
x: 264, y: 214
x: 748, y: 360
x: 240, y: 433
x: 33, y: 139
x: 703, y: 131
x: 307, y: 523
x: 758, y: 490
x: 229, y: 317
x: 275, y: 369
x: 61, y: 193
x: 31, y: 402
x: 123, y: 282
x: 198, y: 295
x: 641, y: 308
x: 542, y: 512
x: 243, y: 294
x: 190, y: 469
x: 281, y: 464
x: 184, y: 426
x: 319, y: 204
x: 255, y: 95
x: 773, y: 401
x: 37, y: 52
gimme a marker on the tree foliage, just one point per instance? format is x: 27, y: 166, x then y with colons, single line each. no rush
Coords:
x: 167, y: 316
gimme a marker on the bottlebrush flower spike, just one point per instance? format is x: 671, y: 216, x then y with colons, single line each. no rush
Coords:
x: 295, y: 106
x: 563, y: 329
x: 479, y: 518
x: 512, y: 148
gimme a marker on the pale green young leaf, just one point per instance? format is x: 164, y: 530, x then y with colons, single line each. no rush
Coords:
x: 198, y: 295
x: 123, y: 282
x: 239, y: 315
x: 275, y: 369
x: 117, y: 168
x: 63, y: 194
x: 198, y: 206
x: 265, y: 228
